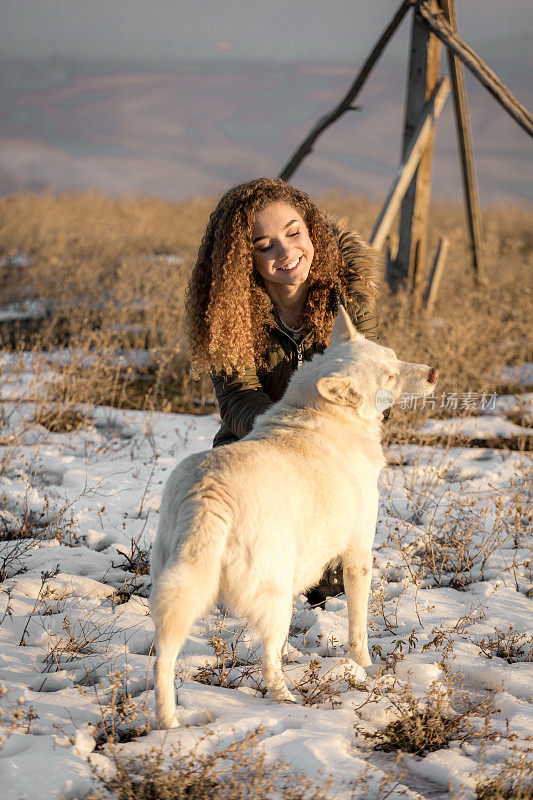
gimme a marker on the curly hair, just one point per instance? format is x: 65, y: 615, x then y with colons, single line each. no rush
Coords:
x: 227, y: 307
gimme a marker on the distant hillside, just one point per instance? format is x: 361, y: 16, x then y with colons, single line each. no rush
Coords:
x: 180, y: 129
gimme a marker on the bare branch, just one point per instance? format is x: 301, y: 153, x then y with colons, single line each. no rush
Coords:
x: 346, y: 103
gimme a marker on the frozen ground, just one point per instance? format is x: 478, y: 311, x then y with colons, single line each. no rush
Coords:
x: 451, y: 603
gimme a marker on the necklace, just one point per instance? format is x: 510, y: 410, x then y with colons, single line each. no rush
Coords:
x: 286, y: 324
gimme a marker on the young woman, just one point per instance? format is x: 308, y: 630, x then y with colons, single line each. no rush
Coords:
x: 271, y: 272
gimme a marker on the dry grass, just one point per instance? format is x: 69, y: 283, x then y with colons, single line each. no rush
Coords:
x: 431, y: 724
x: 229, y: 669
x: 513, y: 782
x: 111, y: 275
x: 237, y: 772
x: 456, y: 539
x: 511, y: 645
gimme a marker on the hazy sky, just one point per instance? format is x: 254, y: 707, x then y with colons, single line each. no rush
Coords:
x: 289, y: 30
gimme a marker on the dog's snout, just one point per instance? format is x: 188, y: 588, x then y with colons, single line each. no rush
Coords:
x: 433, y: 375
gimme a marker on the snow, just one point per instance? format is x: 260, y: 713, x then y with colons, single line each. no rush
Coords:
x: 522, y: 375
x: 18, y: 259
x: 26, y: 309
x: 475, y: 427
x: 76, y: 623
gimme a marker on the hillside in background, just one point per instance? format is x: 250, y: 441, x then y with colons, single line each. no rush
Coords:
x: 177, y: 129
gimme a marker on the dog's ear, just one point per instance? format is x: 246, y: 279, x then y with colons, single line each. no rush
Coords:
x: 339, y: 391
x: 343, y: 327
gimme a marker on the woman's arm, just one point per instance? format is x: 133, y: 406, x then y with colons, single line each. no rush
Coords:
x: 240, y: 399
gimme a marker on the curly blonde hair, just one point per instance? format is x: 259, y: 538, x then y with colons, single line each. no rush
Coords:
x: 227, y: 307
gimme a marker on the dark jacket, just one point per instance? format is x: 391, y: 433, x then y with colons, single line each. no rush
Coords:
x: 244, y: 395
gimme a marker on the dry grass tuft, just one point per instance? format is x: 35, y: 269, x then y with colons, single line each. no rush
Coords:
x: 229, y: 669
x: 510, y: 645
x: 422, y: 727
x: 59, y: 419
x: 237, y: 772
x: 123, y: 718
x: 513, y: 782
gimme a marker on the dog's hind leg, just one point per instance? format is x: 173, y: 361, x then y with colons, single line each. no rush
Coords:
x: 169, y: 639
x: 274, y: 629
x: 182, y: 593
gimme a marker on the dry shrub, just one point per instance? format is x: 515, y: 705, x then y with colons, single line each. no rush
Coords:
x: 463, y: 535
x: 237, y: 772
x: 59, y: 419
x: 511, y: 645
x: 21, y: 527
x: 123, y: 717
x: 513, y: 782
x: 229, y: 669
x: 422, y: 727
x: 137, y: 560
x: 313, y: 688
x: 18, y: 717
x: 316, y: 687
x: 75, y: 641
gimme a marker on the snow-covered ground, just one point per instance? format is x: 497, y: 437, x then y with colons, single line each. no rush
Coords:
x: 451, y: 603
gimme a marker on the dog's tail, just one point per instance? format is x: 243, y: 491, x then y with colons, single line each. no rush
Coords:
x: 186, y: 587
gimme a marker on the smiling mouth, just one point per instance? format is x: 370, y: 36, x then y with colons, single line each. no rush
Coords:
x: 291, y: 265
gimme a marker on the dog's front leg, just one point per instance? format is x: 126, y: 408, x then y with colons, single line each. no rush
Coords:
x: 357, y: 569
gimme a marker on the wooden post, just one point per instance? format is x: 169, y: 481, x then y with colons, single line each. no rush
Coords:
x: 464, y: 137
x: 392, y: 247
x: 424, y: 66
x: 436, y: 275
x: 407, y: 168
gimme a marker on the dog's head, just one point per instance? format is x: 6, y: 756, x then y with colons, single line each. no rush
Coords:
x: 364, y: 376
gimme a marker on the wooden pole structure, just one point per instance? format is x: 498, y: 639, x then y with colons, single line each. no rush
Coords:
x: 433, y: 22
x: 346, y: 103
x: 438, y: 25
x: 424, y: 68
x: 436, y: 275
x: 404, y: 175
x: 464, y: 137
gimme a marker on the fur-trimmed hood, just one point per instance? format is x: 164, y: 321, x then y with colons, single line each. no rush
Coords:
x: 363, y: 264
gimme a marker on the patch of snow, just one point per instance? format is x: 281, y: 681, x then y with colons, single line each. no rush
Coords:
x: 486, y: 427
x: 521, y: 375
x: 19, y: 259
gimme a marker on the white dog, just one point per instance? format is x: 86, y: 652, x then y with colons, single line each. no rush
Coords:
x: 256, y: 522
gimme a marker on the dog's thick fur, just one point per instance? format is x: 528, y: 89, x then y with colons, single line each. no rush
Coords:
x: 255, y: 522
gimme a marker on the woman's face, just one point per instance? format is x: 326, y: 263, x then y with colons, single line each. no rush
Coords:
x: 283, y: 250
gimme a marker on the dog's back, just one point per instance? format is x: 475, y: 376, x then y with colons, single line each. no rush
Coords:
x: 271, y: 508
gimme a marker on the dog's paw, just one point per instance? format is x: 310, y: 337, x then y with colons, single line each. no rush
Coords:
x: 361, y: 656
x: 282, y: 696
x: 168, y: 724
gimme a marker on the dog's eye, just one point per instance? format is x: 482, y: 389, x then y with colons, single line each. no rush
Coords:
x: 391, y: 378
